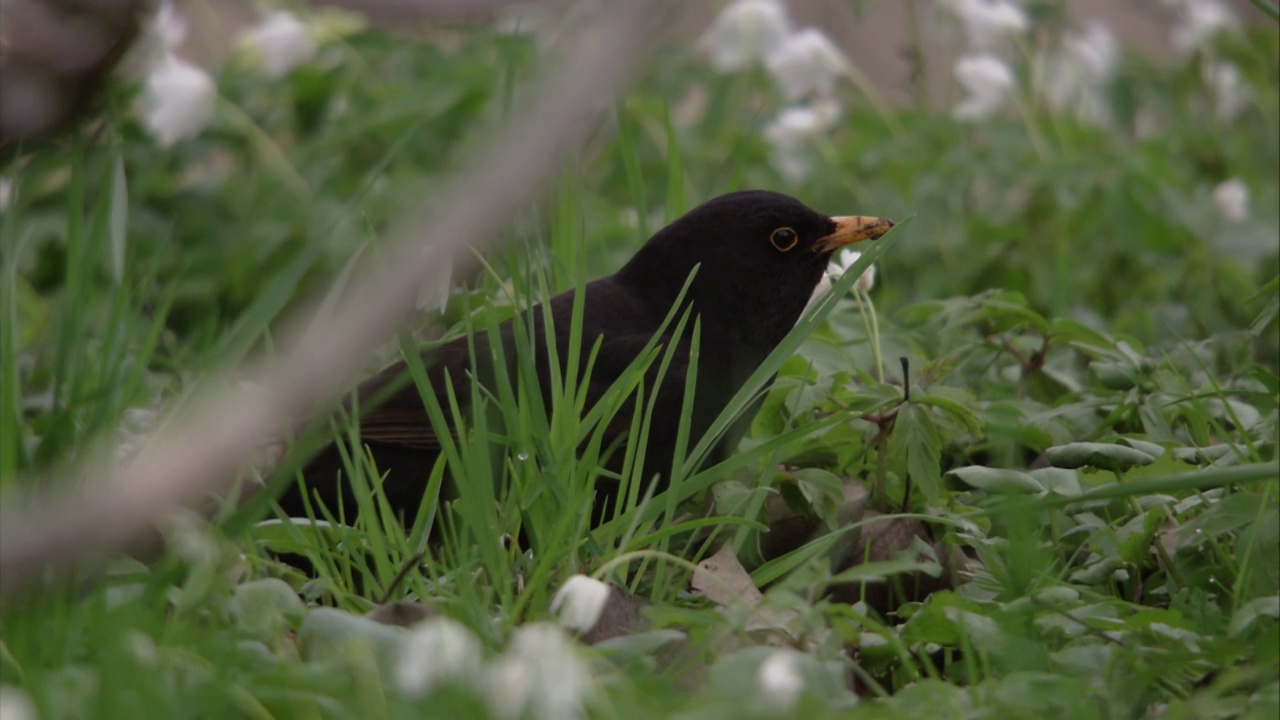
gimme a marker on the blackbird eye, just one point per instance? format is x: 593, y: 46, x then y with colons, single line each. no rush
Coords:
x: 784, y: 238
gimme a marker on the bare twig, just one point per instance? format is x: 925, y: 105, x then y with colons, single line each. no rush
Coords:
x: 199, y: 452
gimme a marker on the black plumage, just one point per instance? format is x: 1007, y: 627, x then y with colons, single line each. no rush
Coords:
x: 759, y: 256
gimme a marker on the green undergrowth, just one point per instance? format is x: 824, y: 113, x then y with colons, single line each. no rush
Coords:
x: 1067, y: 371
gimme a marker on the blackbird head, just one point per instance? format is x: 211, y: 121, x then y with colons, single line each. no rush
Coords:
x: 759, y: 256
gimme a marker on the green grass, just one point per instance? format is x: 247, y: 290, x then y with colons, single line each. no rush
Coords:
x: 1057, y: 284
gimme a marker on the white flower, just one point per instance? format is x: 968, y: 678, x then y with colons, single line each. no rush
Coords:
x: 1202, y: 21
x: 744, y: 33
x: 845, y: 260
x: 142, y: 647
x: 162, y: 34
x: 579, y: 602
x: 794, y: 130
x: 806, y: 64
x: 840, y: 264
x: 282, y: 42
x: 1075, y: 76
x: 436, y: 651
x: 178, y: 100
x: 779, y: 679
x: 540, y: 674
x: 988, y: 82
x: 169, y: 26
x: 1095, y: 51
x: 990, y: 23
x: 796, y: 126
x: 1231, y: 198
x: 1230, y: 95
x: 15, y: 704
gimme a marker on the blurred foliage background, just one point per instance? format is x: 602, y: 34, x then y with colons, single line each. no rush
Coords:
x: 1092, y: 258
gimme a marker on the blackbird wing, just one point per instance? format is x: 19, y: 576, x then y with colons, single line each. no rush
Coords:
x: 401, y: 419
x: 399, y: 433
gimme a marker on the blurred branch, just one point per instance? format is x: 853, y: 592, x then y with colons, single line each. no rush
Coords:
x: 200, y: 451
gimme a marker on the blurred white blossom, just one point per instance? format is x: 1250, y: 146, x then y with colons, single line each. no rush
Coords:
x: 163, y: 33
x: 807, y: 64
x: 803, y: 123
x: 1095, y: 51
x: 282, y: 42
x: 541, y: 674
x: 178, y: 97
x: 987, y: 82
x: 780, y: 680
x: 579, y: 602
x: 15, y: 704
x: 745, y: 33
x: 437, y: 650
x: 1075, y: 77
x: 989, y: 24
x: 142, y: 647
x: 794, y: 130
x: 178, y: 100
x: 1230, y: 94
x: 1231, y: 198
x: 169, y: 26
x: 1200, y: 22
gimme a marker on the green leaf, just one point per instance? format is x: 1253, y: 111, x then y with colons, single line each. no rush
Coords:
x: 997, y: 480
x: 1102, y: 456
x: 916, y: 438
x: 337, y: 636
x: 963, y: 416
x: 265, y: 609
x: 819, y: 486
x: 1009, y: 310
x: 1073, y: 332
x: 1058, y: 480
x: 1150, y: 448
x: 1248, y: 614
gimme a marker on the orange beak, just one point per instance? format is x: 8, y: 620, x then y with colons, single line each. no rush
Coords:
x: 851, y: 229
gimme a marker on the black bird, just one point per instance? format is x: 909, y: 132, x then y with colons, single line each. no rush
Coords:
x: 759, y: 255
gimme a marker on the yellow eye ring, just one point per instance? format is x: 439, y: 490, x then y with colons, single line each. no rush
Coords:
x: 784, y: 238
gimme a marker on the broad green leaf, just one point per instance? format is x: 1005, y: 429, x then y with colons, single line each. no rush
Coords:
x: 1058, y: 480
x: 916, y: 438
x: 1102, y: 456
x: 1250, y: 612
x: 1150, y: 448
x: 997, y: 480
